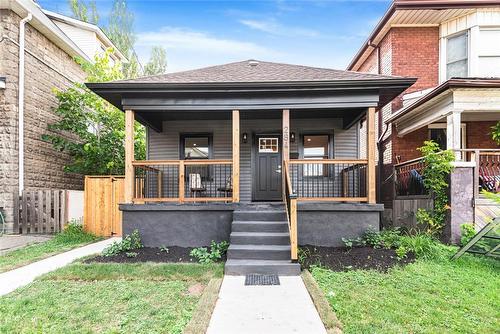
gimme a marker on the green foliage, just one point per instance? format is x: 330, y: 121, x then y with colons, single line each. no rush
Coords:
x: 128, y: 243
x: 71, y: 237
x: 120, y: 30
x: 438, y: 165
x: 467, y: 231
x: 492, y: 196
x: 428, y: 296
x: 164, y: 249
x: 217, y: 250
x: 495, y: 133
x: 157, y: 62
x: 131, y: 254
x: 84, y: 11
x: 90, y: 129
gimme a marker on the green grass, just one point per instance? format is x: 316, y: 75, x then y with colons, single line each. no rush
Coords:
x: 429, y: 296
x: 107, y: 298
x: 71, y: 238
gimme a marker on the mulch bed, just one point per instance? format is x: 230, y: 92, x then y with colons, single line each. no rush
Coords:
x: 150, y: 254
x: 342, y: 259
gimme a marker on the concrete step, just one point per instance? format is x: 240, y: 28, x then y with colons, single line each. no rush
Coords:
x: 258, y: 252
x: 260, y: 238
x: 258, y: 215
x: 266, y: 267
x: 259, y: 226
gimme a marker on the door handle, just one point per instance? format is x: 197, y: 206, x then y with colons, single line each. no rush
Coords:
x: 278, y: 171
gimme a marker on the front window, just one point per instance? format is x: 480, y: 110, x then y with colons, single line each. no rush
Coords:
x: 489, y: 52
x: 457, y: 56
x: 316, y: 147
x: 195, y: 147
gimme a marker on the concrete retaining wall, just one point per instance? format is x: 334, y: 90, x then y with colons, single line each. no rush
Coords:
x: 325, y: 224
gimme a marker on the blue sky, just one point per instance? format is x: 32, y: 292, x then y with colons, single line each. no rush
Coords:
x: 324, y: 33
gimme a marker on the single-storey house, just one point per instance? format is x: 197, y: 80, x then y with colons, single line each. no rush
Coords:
x: 264, y: 155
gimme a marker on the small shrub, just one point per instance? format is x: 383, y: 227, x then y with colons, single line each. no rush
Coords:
x: 73, y: 233
x: 401, y: 252
x: 129, y: 242
x: 164, y: 249
x: 131, y: 254
x: 217, y: 250
x: 353, y: 242
x: 467, y: 231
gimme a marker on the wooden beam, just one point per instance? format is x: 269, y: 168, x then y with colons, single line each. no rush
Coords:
x: 286, y: 143
x: 293, y: 230
x: 129, y: 156
x: 236, y: 156
x: 370, y: 154
x: 181, y: 180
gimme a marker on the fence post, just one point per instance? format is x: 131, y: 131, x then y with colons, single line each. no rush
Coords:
x: 181, y: 181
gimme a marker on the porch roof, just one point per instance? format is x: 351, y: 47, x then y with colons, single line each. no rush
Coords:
x: 250, y: 85
x: 475, y: 95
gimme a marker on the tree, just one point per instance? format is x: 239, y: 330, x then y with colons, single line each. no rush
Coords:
x: 495, y: 133
x: 120, y: 30
x: 157, y: 62
x: 81, y: 10
x: 91, y: 130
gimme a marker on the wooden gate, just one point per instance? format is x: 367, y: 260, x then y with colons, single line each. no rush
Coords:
x: 101, y: 215
x: 40, y: 211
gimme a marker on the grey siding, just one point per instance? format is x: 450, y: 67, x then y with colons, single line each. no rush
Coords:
x: 165, y: 145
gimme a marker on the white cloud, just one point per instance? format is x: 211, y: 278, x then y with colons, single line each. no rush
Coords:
x: 187, y: 49
x: 275, y: 28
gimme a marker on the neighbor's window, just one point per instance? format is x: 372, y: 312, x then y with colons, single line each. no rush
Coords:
x: 489, y: 52
x: 457, y: 56
x: 316, y: 147
x: 196, y: 146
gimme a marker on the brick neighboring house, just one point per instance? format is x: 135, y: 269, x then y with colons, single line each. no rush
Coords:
x: 48, y: 63
x: 453, y: 48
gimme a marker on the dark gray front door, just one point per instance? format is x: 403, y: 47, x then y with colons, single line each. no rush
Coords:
x: 267, y: 168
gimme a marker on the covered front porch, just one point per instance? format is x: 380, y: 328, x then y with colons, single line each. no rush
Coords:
x: 280, y: 142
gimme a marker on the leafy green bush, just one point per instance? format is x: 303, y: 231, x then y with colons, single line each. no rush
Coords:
x: 217, y: 250
x: 467, y: 231
x: 438, y: 165
x: 73, y: 233
x: 128, y: 243
x: 495, y: 133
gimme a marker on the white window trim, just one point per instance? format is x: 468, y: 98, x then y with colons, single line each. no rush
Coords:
x: 463, y: 128
x: 444, y: 61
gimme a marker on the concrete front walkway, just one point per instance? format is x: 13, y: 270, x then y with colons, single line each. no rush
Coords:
x: 11, y: 280
x: 285, y: 308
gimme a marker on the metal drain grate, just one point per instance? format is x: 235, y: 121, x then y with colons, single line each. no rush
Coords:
x: 258, y: 279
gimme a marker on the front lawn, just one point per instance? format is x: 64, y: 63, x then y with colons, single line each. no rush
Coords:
x: 429, y: 296
x: 108, y: 298
x: 72, y: 237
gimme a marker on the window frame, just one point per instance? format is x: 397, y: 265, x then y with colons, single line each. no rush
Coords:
x: 182, y: 144
x: 467, y: 52
x: 443, y: 126
x: 329, y: 170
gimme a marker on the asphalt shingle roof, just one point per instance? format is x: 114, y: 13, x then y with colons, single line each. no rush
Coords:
x: 255, y: 71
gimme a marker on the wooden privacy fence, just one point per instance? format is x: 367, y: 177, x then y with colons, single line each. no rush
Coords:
x: 102, y: 195
x: 40, y: 211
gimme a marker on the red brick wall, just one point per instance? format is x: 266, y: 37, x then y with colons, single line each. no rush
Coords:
x: 406, y: 147
x: 479, y: 135
x: 370, y: 64
x: 415, y: 53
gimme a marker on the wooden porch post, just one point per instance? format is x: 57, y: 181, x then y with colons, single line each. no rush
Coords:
x: 236, y: 156
x: 370, y: 154
x: 129, y: 156
x: 286, y: 144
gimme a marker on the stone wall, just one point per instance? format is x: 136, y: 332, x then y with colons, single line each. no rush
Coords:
x: 43, y: 164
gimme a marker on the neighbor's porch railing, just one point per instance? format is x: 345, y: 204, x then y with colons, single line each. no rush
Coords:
x: 182, y: 181
x: 409, y: 181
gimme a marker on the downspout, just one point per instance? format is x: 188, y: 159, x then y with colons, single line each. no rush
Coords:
x: 22, y: 26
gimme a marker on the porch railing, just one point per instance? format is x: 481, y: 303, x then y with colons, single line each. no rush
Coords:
x: 183, y: 181
x: 291, y: 211
x: 408, y: 178
x: 487, y: 168
x: 329, y: 179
